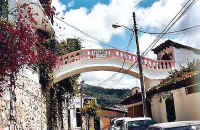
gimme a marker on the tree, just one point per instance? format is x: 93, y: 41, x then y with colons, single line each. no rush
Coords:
x: 64, y: 90
x: 22, y: 44
x: 3, y: 8
x: 90, y: 110
x: 19, y: 48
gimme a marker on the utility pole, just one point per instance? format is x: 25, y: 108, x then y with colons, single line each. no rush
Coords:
x: 140, y: 67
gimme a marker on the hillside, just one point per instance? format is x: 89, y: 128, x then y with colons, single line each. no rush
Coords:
x: 106, y: 97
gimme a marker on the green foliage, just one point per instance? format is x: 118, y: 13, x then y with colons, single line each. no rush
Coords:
x: 107, y: 97
x: 66, y: 89
x: 3, y: 8
x: 58, y: 49
x: 70, y: 84
x: 63, y: 47
x: 177, y: 75
x: 91, y: 109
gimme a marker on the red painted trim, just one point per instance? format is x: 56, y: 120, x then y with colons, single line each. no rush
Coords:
x: 88, y: 54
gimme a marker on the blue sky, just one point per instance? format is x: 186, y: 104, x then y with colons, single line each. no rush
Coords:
x: 89, y: 4
x: 95, y: 17
x: 116, y: 40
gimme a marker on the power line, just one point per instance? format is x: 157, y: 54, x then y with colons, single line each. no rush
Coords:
x: 121, y: 69
x: 86, y: 34
x: 77, y: 29
x: 168, y: 27
x: 97, y: 38
x: 172, y: 22
x: 176, y: 31
x: 131, y: 38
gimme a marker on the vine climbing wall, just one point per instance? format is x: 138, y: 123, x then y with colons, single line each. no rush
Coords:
x: 28, y: 109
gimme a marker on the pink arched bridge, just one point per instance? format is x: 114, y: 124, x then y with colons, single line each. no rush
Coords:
x: 109, y: 60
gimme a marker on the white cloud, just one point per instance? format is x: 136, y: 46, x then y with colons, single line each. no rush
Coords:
x: 108, y: 79
x: 98, y: 24
x: 144, y: 41
x: 59, y: 6
x: 70, y: 4
x: 161, y: 12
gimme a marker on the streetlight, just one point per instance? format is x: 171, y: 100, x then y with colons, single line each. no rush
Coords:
x: 134, y: 30
x: 118, y: 26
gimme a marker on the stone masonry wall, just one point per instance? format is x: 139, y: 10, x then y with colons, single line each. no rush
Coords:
x: 29, y: 109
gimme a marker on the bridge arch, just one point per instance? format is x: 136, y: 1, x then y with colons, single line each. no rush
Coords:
x: 87, y: 60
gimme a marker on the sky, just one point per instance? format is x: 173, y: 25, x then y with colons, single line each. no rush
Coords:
x: 95, y: 17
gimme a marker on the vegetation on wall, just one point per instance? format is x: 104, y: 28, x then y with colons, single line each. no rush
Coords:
x: 20, y: 47
x: 64, y: 90
x: 192, y: 68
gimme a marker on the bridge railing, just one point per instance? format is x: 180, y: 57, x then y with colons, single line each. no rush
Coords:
x: 157, y: 64
x: 102, y: 54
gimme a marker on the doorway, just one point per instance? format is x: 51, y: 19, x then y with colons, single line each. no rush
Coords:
x: 170, y: 109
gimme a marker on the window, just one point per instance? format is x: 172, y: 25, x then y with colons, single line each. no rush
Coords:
x: 140, y: 124
x: 119, y: 123
x: 78, y: 118
x: 166, y: 56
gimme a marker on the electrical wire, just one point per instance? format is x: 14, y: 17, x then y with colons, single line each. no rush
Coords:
x: 86, y: 34
x: 172, y: 22
x: 121, y: 69
x: 75, y: 28
x: 101, y: 41
x: 176, y: 31
x: 168, y: 27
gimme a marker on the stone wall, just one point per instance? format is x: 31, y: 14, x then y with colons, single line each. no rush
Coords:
x: 29, y: 108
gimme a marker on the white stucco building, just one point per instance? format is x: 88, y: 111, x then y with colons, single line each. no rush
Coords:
x: 181, y: 54
x: 74, y: 112
x: 178, y: 100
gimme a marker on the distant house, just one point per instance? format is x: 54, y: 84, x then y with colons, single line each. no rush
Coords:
x: 134, y: 104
